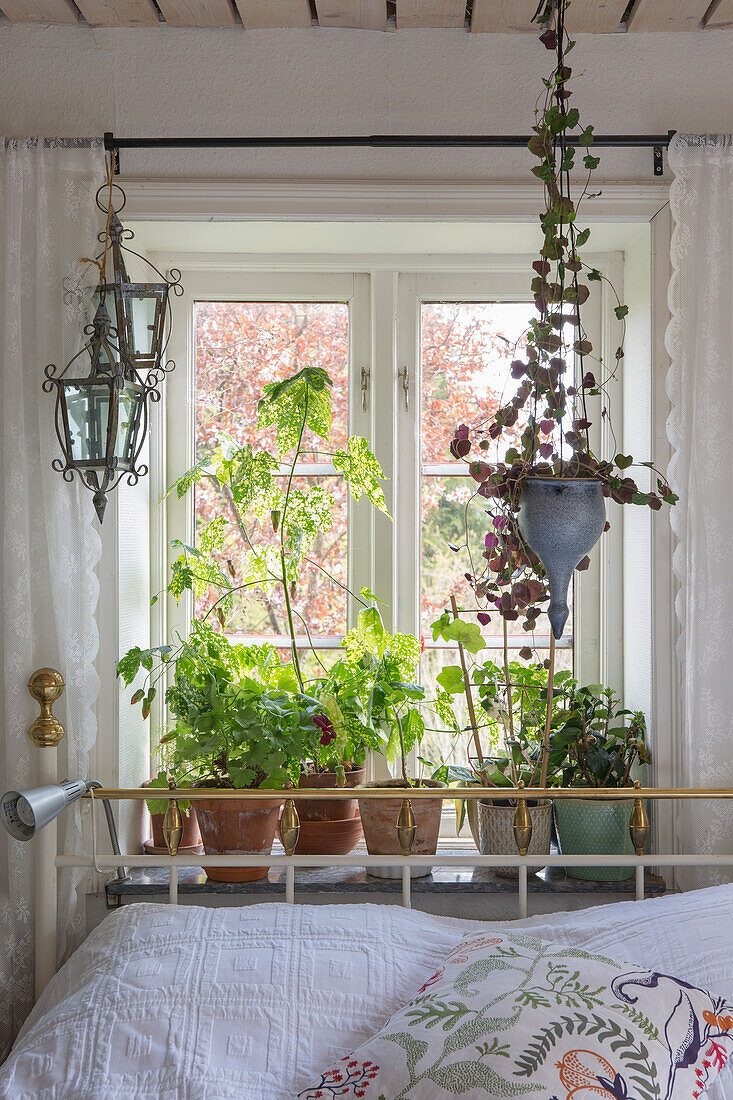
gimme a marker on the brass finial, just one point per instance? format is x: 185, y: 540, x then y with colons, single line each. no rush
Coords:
x: 46, y: 685
x: 289, y: 827
x: 172, y: 822
x: 522, y: 824
x: 406, y: 827
x: 639, y: 824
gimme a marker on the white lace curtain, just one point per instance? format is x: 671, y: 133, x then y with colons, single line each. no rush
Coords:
x: 48, y: 546
x: 700, y: 428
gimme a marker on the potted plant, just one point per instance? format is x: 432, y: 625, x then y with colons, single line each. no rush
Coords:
x: 333, y: 826
x: 258, y: 490
x: 385, y: 666
x: 594, y: 749
x: 542, y: 486
x: 508, y: 718
x: 240, y: 723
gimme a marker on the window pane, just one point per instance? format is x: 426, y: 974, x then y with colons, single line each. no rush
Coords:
x: 448, y: 514
x: 320, y: 601
x: 467, y: 349
x: 241, y: 346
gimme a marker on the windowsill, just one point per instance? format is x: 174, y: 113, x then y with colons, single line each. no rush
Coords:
x: 347, y: 880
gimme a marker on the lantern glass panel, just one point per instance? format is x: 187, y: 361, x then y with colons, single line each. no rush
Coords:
x: 87, y: 411
x: 142, y: 309
x: 127, y: 422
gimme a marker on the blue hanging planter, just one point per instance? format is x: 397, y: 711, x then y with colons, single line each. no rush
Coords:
x: 561, y: 520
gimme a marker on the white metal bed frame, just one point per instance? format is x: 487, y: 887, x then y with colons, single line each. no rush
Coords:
x: 46, y: 929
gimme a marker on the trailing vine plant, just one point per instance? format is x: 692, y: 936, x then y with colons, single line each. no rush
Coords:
x: 545, y: 426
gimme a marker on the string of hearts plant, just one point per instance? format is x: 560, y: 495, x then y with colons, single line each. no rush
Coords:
x: 545, y: 427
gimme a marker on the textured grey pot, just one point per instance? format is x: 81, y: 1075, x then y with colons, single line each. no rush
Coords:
x: 561, y: 520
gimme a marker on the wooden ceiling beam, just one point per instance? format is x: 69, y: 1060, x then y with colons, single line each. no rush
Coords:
x: 119, y: 13
x: 515, y: 16
x: 198, y: 13
x: 422, y: 14
x: 268, y: 14
x: 722, y: 16
x: 369, y: 15
x: 667, y: 15
x: 40, y: 11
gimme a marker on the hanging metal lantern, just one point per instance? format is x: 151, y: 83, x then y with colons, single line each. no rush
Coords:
x: 102, y: 416
x: 141, y: 309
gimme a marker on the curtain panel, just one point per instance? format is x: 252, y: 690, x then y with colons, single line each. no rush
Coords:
x: 700, y: 429
x: 49, y: 545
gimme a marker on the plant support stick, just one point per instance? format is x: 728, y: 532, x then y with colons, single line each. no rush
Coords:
x: 548, y: 713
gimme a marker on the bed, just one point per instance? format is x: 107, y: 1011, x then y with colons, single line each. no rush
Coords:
x: 178, y: 1002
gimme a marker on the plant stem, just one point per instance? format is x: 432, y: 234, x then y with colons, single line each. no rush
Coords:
x: 548, y: 714
x: 402, y: 750
x: 469, y: 699
x: 286, y: 501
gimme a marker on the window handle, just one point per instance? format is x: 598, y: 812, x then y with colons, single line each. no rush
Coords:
x: 404, y: 376
x: 366, y: 376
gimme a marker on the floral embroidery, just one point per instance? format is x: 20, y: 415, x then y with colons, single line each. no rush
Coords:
x: 348, y: 1078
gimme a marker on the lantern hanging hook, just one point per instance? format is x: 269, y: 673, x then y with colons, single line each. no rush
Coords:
x: 109, y: 185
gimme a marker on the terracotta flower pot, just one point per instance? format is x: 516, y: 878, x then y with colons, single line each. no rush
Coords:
x: 328, y: 826
x: 496, y: 831
x: 237, y: 827
x: 586, y: 826
x: 379, y: 820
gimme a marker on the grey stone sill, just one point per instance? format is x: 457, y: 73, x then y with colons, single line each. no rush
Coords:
x: 349, y: 880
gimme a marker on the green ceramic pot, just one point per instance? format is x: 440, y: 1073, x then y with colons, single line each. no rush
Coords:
x: 585, y: 827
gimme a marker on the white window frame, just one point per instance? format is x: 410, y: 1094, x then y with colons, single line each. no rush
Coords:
x: 380, y: 554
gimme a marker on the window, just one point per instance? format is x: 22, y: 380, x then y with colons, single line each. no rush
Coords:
x: 412, y: 354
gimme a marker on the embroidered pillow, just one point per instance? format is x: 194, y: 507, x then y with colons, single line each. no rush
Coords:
x: 507, y: 1015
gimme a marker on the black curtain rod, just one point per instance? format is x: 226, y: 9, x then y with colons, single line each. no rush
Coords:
x: 658, y: 142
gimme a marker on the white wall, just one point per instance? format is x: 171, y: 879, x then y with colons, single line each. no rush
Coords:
x: 72, y: 81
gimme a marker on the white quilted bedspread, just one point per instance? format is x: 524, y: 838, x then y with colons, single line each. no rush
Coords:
x: 186, y: 1003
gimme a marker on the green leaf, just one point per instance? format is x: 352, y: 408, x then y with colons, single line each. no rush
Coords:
x: 249, y: 475
x: 468, y: 634
x: 362, y: 471
x: 581, y: 238
x: 621, y: 311
x: 191, y: 477
x: 451, y: 678
x: 181, y: 578
x: 302, y: 401
x: 211, y: 536
x: 129, y: 665
x: 367, y: 594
